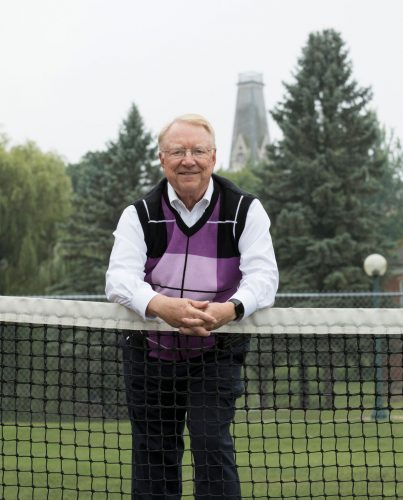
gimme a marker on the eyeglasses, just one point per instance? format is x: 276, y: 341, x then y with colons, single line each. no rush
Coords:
x: 179, y: 153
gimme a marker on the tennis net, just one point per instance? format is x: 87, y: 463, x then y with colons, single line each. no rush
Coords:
x: 320, y: 415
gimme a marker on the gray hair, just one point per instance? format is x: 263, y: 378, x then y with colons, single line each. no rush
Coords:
x: 193, y: 119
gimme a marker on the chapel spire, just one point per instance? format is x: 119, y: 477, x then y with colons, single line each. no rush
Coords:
x: 250, y: 133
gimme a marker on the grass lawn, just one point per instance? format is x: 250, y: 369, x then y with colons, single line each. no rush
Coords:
x: 317, y: 454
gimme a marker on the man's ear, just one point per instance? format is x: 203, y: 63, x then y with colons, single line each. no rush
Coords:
x: 162, y: 159
x: 214, y: 156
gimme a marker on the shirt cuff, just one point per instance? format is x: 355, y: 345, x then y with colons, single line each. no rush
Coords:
x: 140, y: 304
x: 248, y: 300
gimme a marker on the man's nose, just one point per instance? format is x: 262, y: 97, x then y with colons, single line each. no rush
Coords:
x: 188, y: 158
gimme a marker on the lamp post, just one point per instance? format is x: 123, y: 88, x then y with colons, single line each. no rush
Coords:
x: 375, y: 266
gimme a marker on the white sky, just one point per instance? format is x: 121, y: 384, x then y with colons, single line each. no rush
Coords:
x: 70, y: 69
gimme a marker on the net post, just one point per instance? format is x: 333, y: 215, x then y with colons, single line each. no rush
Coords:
x: 379, y: 412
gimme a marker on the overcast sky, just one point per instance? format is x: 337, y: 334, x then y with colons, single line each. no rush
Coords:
x: 70, y: 69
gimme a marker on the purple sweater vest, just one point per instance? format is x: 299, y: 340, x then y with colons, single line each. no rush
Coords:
x: 190, y: 268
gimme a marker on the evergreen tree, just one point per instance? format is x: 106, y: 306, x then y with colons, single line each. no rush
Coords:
x: 105, y: 182
x: 320, y: 179
x: 389, y: 200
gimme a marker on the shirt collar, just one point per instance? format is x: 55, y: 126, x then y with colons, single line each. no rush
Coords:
x: 173, y: 197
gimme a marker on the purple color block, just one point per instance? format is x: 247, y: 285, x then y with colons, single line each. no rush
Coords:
x: 177, y: 242
x: 168, y: 347
x: 169, y: 271
x: 201, y: 274
x: 150, y: 264
x: 190, y: 268
x: 228, y: 273
x: 203, y: 242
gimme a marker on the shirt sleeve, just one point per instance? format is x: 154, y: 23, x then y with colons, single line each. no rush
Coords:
x: 258, y: 266
x: 125, y: 275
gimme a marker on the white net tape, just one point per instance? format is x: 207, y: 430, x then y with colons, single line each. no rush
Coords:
x: 266, y: 321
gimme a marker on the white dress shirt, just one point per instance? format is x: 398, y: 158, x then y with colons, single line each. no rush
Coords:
x: 125, y: 276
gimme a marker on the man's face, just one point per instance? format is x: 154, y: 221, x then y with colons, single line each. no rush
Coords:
x: 189, y: 174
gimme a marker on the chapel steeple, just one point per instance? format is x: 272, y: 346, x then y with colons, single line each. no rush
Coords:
x: 250, y: 133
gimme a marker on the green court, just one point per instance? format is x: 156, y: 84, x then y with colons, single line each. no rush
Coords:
x: 304, y: 455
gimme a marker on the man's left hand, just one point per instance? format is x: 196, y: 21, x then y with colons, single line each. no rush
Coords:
x: 223, y: 312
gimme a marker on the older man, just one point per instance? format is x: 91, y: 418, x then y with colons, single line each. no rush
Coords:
x: 196, y: 252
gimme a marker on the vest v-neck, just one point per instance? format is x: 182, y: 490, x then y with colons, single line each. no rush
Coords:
x: 190, y: 231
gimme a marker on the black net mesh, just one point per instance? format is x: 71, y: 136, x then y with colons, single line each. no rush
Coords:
x: 317, y: 416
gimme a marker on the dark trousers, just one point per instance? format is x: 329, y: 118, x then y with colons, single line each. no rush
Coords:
x: 162, y: 396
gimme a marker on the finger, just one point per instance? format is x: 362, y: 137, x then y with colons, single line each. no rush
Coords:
x: 198, y: 320
x: 191, y: 322
x: 206, y: 317
x: 199, y: 304
x: 197, y: 331
x: 185, y: 330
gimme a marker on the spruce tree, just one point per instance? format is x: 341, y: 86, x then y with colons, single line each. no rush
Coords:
x: 105, y: 182
x: 321, y: 178
x: 390, y: 199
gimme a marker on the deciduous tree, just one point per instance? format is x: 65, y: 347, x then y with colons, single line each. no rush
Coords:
x: 34, y: 200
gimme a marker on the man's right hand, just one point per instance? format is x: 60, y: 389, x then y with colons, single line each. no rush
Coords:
x: 187, y: 314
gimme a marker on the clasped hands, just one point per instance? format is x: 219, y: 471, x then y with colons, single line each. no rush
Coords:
x: 191, y: 317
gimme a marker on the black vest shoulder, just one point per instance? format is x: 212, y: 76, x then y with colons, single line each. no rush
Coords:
x: 235, y: 204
